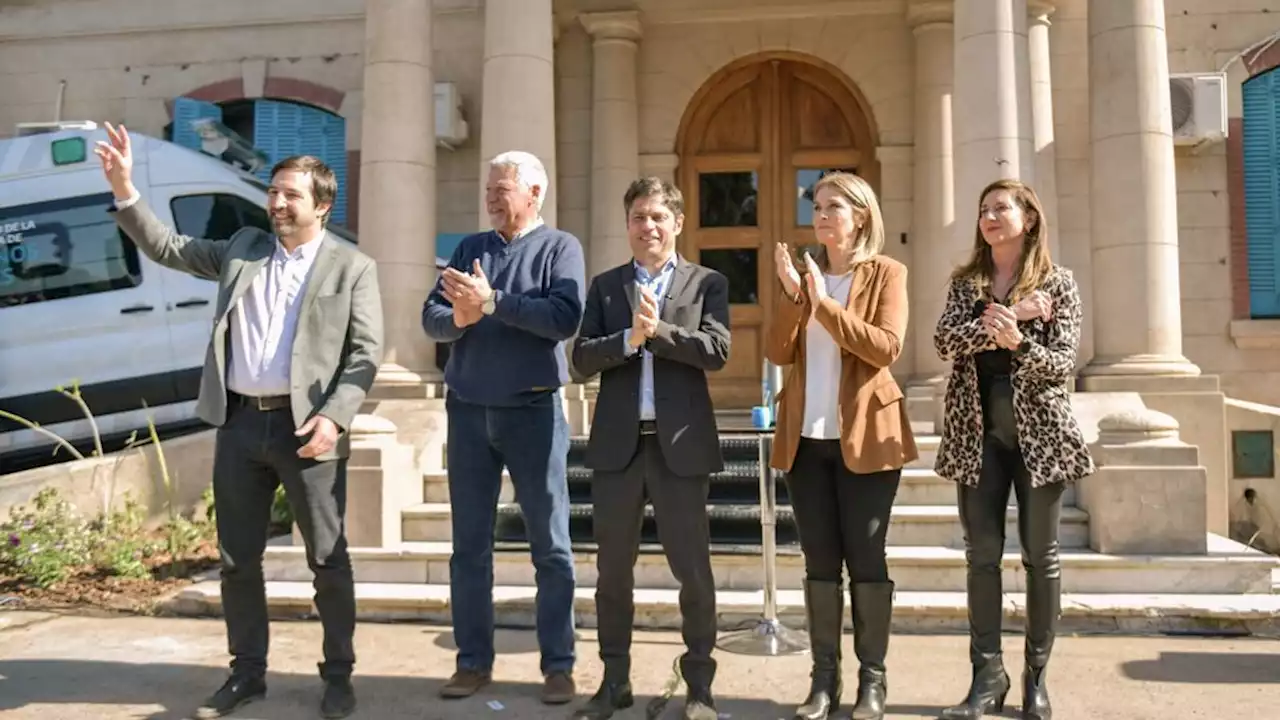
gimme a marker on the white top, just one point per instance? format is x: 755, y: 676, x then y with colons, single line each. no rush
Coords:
x: 822, y: 369
x: 264, y: 322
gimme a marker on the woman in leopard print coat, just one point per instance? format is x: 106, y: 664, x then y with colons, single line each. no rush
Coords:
x: 1011, y: 328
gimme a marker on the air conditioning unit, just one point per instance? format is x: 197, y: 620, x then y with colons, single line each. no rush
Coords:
x: 1199, y: 105
x: 451, y: 128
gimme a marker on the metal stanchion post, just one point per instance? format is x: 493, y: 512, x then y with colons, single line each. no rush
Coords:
x: 768, y: 636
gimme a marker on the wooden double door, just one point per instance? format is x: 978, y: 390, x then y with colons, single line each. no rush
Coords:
x: 754, y: 140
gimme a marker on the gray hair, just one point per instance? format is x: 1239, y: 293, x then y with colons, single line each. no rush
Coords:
x: 529, y: 170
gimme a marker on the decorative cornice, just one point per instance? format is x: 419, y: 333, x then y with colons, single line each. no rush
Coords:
x: 780, y: 10
x: 929, y: 12
x: 623, y: 25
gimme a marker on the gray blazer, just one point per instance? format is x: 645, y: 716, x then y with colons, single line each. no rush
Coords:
x: 692, y: 339
x: 338, y: 345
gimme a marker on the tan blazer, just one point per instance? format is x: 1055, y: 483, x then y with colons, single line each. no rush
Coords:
x: 875, y: 432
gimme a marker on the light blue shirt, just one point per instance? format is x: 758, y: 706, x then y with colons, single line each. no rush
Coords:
x: 656, y: 284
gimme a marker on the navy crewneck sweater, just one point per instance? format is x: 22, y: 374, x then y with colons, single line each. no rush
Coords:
x: 516, y: 355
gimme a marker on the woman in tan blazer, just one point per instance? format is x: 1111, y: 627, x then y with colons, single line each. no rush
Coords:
x: 1010, y: 329
x: 842, y: 432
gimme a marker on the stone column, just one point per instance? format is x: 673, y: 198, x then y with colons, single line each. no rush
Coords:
x: 615, y: 133
x: 1137, y: 321
x: 936, y: 247
x: 993, y: 130
x: 398, y: 180
x: 1046, y: 163
x: 518, y: 111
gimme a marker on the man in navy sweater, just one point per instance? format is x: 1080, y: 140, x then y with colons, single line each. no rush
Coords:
x: 508, y: 301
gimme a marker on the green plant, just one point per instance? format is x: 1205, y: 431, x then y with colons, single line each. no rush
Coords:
x: 44, y: 544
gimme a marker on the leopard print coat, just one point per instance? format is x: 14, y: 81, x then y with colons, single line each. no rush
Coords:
x: 1052, y: 445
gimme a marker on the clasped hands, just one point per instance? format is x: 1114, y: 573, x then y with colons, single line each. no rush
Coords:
x: 1001, y: 322
x: 644, y: 321
x: 467, y: 292
x: 814, y: 282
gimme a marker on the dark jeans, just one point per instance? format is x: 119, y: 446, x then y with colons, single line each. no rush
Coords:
x: 842, y: 516
x: 983, y: 513
x: 680, y: 507
x: 255, y: 451
x: 532, y: 442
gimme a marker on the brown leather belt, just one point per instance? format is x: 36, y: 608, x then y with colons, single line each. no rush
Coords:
x: 264, y: 403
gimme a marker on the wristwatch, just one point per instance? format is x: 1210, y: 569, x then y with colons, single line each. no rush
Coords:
x: 490, y: 304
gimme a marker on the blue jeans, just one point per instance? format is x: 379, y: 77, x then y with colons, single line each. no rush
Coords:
x: 532, y: 441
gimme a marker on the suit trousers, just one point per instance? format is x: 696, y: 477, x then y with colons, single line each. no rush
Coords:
x: 532, y: 442
x: 680, y: 508
x: 842, y: 516
x: 255, y: 452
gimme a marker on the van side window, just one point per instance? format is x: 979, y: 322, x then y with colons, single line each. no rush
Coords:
x: 216, y: 216
x: 63, y: 248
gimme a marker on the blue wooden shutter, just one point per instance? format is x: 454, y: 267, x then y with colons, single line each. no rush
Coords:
x: 185, y: 110
x: 281, y: 129
x: 1261, y: 143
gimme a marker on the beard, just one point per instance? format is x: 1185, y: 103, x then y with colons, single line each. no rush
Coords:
x: 284, y: 223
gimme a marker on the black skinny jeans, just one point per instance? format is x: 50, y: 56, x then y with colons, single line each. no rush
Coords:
x: 842, y: 516
x: 983, y: 512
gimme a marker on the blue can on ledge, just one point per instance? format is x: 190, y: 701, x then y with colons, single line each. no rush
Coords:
x: 761, y: 417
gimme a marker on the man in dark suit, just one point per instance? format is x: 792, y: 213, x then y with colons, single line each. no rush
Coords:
x: 653, y: 328
x: 296, y: 342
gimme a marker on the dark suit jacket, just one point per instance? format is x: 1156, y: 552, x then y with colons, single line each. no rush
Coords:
x: 692, y: 338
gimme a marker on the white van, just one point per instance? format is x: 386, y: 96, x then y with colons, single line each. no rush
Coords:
x: 78, y: 302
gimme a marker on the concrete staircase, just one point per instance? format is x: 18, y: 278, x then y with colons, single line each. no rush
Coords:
x: 1228, y: 587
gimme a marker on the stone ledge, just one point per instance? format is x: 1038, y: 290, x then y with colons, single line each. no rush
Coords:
x: 1256, y: 334
x: 659, y: 609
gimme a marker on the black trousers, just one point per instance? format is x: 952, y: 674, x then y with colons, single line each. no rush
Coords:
x: 255, y: 451
x: 842, y: 516
x: 680, y: 508
x: 983, y: 512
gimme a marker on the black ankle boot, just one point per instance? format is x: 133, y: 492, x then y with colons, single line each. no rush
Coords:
x: 872, y: 618
x: 824, y: 606
x: 1035, y: 695
x: 1043, y: 602
x: 987, y: 692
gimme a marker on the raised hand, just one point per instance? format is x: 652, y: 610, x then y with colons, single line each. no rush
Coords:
x: 787, y: 272
x: 815, y: 281
x: 117, y: 161
x: 1001, y: 324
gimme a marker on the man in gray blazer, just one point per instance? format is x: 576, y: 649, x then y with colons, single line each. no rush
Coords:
x: 653, y: 328
x: 297, y: 339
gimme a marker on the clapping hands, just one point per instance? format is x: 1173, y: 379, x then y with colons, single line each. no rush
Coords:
x: 644, y: 321
x: 467, y: 292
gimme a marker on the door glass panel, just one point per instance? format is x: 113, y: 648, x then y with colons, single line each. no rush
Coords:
x: 740, y: 266
x: 806, y: 178
x: 728, y: 199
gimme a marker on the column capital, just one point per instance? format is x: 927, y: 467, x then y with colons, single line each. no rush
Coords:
x: 622, y: 25
x: 1040, y: 10
x: 921, y: 13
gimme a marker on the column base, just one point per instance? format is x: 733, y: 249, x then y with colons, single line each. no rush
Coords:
x: 1140, y: 365
x: 396, y: 382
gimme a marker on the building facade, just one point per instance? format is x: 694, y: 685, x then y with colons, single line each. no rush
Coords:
x: 743, y: 103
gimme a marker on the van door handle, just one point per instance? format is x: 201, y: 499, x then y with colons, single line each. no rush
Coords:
x: 136, y: 309
x: 195, y: 302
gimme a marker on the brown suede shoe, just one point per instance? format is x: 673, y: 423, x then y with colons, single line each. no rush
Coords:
x: 558, y: 688
x: 465, y: 683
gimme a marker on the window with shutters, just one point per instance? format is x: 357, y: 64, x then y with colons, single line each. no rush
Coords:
x: 281, y: 129
x: 1261, y: 141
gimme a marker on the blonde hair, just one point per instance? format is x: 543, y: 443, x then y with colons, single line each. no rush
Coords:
x: 1035, y: 265
x: 868, y: 239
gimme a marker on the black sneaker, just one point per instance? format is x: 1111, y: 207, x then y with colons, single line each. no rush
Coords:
x: 235, y: 693
x: 339, y: 698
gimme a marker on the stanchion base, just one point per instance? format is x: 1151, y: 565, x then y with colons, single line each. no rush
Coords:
x: 769, y: 637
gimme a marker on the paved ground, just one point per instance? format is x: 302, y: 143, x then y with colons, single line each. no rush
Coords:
x: 55, y: 668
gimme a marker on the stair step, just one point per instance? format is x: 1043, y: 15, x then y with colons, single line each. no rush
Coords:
x: 659, y: 609
x: 739, y: 524
x: 743, y: 447
x: 1228, y: 568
